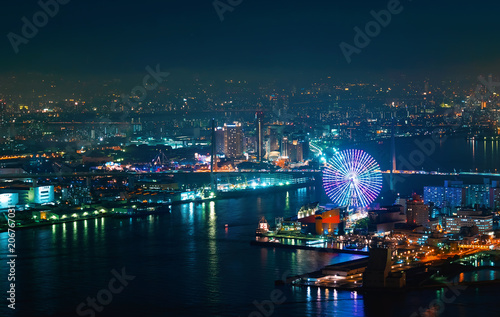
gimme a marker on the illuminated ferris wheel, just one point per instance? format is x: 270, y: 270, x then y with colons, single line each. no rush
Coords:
x: 352, y: 178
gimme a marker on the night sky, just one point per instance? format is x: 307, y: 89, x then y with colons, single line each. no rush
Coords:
x: 258, y: 38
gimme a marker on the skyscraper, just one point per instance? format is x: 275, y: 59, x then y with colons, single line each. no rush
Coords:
x: 284, y: 147
x: 259, y: 125
x: 233, y: 140
x: 220, y: 134
x: 295, y: 152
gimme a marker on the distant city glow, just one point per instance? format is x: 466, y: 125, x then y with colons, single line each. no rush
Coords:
x: 352, y: 178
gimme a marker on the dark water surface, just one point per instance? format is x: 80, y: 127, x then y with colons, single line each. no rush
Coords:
x: 188, y: 264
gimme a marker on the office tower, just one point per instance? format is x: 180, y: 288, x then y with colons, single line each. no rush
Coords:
x: 220, y: 134
x: 284, y: 147
x: 295, y: 151
x: 233, y: 140
x: 274, y: 144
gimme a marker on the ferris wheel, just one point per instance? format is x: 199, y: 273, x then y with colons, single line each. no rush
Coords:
x: 352, y: 178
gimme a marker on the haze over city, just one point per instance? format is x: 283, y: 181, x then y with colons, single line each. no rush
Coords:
x: 249, y: 158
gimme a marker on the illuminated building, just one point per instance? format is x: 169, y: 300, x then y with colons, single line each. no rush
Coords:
x: 295, y: 152
x: 233, y: 140
x: 259, y: 125
x: 478, y: 195
x: 229, y: 140
x: 417, y: 212
x: 495, y: 198
x: 284, y: 147
x: 292, y: 150
x: 219, y: 140
x: 445, y: 197
x: 455, y: 194
x: 316, y: 220
x: 8, y: 200
x: 469, y: 218
x: 274, y: 132
x: 29, y: 194
x: 414, y: 235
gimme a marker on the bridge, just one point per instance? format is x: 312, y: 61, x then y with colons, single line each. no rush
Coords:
x: 126, y: 173
x: 438, y: 173
x: 177, y: 172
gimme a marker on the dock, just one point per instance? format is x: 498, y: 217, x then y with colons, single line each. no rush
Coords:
x: 306, y: 247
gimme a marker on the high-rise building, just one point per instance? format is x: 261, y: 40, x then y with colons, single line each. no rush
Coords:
x: 495, y: 196
x: 259, y: 126
x: 455, y: 194
x: 295, y: 152
x: 220, y: 134
x: 229, y: 140
x: 448, y: 197
x: 284, y: 147
x: 274, y: 132
x: 478, y: 195
x: 233, y: 140
x: 417, y: 212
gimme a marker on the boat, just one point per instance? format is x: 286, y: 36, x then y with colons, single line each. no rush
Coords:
x: 263, y: 227
x: 143, y: 210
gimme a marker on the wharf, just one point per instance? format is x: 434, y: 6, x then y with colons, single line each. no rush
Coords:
x: 306, y: 247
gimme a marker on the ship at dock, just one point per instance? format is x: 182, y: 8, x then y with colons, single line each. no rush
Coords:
x: 141, y: 210
x: 311, y: 220
x: 263, y: 227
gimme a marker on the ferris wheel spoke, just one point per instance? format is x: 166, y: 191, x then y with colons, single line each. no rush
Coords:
x: 352, y: 178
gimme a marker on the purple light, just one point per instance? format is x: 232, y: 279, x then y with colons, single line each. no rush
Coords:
x: 352, y: 178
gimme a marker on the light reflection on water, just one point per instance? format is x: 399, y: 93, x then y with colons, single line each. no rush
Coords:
x: 187, y: 263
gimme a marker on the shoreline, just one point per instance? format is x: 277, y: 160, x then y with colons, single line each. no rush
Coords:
x: 223, y: 196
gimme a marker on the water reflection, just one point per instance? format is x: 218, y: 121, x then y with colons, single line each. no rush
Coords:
x: 64, y: 228
x: 189, y: 264
x: 287, y: 201
x: 473, y: 142
x: 213, y: 262
x: 85, y: 232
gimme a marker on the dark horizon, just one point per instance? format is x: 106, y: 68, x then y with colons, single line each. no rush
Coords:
x: 256, y: 40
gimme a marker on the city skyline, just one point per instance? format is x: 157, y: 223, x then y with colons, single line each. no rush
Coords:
x: 249, y: 158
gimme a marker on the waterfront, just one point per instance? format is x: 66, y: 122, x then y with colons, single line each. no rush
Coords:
x: 188, y: 263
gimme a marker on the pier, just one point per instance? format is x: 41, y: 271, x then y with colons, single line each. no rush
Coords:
x: 269, y: 244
